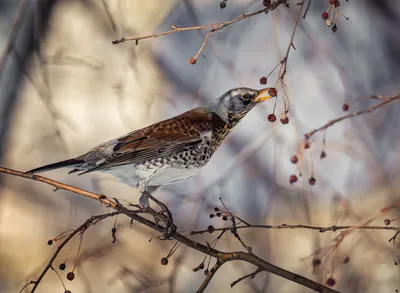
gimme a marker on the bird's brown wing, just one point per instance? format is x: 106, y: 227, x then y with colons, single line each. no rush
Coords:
x: 158, y: 140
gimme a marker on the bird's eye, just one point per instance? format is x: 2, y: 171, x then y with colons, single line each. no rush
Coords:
x: 246, y: 97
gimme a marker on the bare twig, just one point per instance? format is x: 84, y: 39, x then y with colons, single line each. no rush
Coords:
x: 320, y: 229
x: 251, y: 276
x: 210, y: 275
x: 206, y: 249
x: 384, y: 102
x: 91, y: 221
x: 213, y: 28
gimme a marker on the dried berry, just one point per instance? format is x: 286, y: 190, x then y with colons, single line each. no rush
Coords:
x: 67, y: 291
x: 219, y: 214
x: 210, y: 229
x: 201, y: 266
x: 271, y: 118
x: 263, y: 80
x: 293, y: 159
x: 322, y: 155
x: 216, y: 209
x: 164, y: 261
x: 346, y: 259
x: 113, y: 230
x: 334, y: 28
x: 345, y: 107
x: 316, y: 262
x: 212, y: 216
x: 225, y: 218
x: 70, y: 276
x: 306, y: 145
x: 292, y: 179
x: 311, y: 181
x: 222, y: 5
x: 331, y: 282
x: 192, y: 61
x: 324, y: 15
x: 267, y: 3
x: 50, y: 242
x: 206, y: 272
x: 285, y: 120
x: 387, y: 222
x: 62, y: 266
x: 272, y: 92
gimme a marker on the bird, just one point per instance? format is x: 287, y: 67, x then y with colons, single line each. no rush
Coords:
x: 168, y: 151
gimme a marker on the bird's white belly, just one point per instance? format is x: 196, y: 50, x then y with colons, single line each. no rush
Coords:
x: 131, y: 174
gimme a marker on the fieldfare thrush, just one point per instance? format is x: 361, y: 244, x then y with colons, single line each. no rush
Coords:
x: 168, y: 151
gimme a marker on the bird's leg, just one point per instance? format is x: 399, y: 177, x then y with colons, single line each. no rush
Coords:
x: 170, y: 228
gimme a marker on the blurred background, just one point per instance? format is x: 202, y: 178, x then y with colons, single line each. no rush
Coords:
x: 65, y: 88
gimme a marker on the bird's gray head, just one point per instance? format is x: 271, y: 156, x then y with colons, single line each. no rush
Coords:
x: 236, y: 103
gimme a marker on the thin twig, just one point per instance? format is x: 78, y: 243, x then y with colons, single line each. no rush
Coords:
x: 251, y: 276
x: 320, y: 229
x: 214, y: 27
x: 210, y: 275
x: 91, y: 221
x: 352, y: 115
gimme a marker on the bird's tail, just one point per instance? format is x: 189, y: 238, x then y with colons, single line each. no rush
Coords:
x: 61, y: 164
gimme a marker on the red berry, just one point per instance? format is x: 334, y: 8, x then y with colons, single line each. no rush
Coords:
x: 306, y: 145
x: 311, y: 181
x: 192, y: 61
x: 331, y: 282
x: 332, y: 2
x: 164, y: 261
x: 324, y: 15
x: 263, y: 80
x: 70, y: 276
x: 345, y: 107
x: 285, y: 120
x: 272, y: 92
x: 271, y: 118
x: 293, y: 159
x: 292, y: 179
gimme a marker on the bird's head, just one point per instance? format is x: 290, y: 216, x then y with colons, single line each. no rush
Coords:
x: 236, y: 103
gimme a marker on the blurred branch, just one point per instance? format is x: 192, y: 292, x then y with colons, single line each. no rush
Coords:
x: 222, y: 257
x: 385, y: 101
x: 214, y: 27
x: 14, y: 32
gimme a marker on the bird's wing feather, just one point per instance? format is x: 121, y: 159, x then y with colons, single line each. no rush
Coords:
x: 155, y: 141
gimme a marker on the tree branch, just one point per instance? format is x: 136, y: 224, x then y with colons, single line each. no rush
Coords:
x: 219, y: 255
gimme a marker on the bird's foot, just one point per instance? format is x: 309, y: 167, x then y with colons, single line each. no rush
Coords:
x: 165, y: 214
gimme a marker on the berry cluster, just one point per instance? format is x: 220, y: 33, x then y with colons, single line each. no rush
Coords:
x: 219, y: 213
x: 331, y: 14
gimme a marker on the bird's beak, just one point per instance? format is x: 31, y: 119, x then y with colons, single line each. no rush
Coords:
x: 259, y: 97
